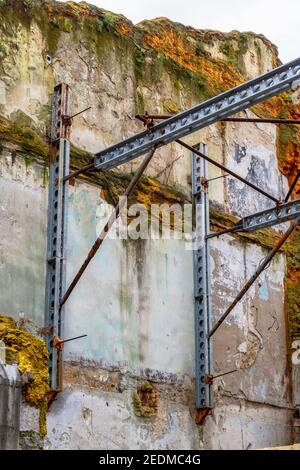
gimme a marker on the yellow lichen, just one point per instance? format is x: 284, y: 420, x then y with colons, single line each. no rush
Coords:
x: 31, y: 355
x: 171, y: 107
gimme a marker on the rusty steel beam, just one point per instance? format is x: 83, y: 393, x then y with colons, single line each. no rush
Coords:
x: 253, y: 278
x: 230, y: 172
x: 135, y: 180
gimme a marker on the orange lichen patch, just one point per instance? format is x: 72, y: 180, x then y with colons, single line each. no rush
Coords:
x: 179, y: 44
x: 68, y: 9
x: 172, y: 45
x: 124, y: 28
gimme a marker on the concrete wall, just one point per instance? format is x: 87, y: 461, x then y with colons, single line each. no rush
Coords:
x: 135, y: 301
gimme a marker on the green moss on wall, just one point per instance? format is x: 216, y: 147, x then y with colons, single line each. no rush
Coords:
x: 109, y: 19
x: 227, y: 48
x: 140, y: 61
x: 292, y: 283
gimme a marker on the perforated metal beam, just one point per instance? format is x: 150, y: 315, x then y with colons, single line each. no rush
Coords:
x: 57, y: 224
x: 283, y: 213
x: 268, y: 218
x: 203, y: 353
x: 202, y: 115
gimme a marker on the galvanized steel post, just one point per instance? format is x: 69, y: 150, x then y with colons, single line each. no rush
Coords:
x: 57, y: 224
x: 203, y: 353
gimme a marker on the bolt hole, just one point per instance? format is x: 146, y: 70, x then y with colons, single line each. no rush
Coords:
x: 48, y: 59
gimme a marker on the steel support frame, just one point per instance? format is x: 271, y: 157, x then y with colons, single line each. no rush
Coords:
x: 200, y: 116
x: 203, y: 351
x: 57, y: 226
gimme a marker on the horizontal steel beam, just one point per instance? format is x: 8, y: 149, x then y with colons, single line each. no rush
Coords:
x: 268, y: 218
x: 201, y: 115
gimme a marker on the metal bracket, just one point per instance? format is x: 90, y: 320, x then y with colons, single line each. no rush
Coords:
x: 203, y: 353
x: 201, y: 414
x: 57, y: 225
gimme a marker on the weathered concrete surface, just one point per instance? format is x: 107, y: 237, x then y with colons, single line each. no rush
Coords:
x: 135, y: 301
x: 249, y: 425
x: 292, y: 447
x: 89, y: 419
x: 10, y: 400
x: 139, y: 316
x: 252, y: 336
x: 146, y: 296
x: 23, y: 219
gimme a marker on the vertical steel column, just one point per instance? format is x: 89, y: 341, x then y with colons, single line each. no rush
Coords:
x: 57, y: 224
x: 202, y: 280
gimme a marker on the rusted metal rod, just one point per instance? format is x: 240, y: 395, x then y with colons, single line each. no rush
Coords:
x: 263, y: 120
x: 109, y: 224
x: 80, y: 112
x: 217, y: 178
x: 253, y: 278
x: 224, y: 373
x: 82, y: 170
x: 222, y: 232
x: 232, y: 173
x: 72, y: 339
x: 292, y: 187
x: 145, y: 117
